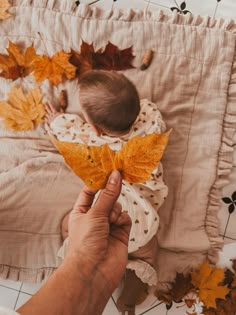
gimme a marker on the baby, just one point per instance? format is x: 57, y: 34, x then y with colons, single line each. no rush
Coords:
x: 112, y: 114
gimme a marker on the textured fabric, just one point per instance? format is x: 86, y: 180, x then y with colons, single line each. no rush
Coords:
x: 191, y: 78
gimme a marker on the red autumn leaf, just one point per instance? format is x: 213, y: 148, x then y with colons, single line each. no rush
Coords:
x: 111, y: 58
x: 165, y: 297
x: 223, y: 307
x: 83, y: 61
x: 181, y: 287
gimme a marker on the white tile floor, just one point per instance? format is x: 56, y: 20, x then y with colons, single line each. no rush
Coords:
x: 14, y: 294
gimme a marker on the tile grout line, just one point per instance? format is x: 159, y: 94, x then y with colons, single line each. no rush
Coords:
x: 114, y: 303
x: 18, y: 296
x: 154, y: 306
x: 228, y: 237
x: 27, y: 293
x: 4, y: 286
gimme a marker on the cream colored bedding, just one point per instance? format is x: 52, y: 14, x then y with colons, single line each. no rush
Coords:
x: 192, y: 79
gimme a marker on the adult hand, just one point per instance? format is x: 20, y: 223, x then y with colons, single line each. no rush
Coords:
x: 99, y: 234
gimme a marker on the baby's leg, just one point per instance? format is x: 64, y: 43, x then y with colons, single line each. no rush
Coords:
x: 64, y: 226
x: 135, y: 291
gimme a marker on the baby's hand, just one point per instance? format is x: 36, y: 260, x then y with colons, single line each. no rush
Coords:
x: 51, y: 113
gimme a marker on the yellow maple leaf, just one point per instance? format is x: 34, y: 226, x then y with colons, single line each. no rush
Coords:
x: 4, y: 6
x: 53, y: 68
x: 207, y: 280
x: 17, y: 64
x: 139, y: 156
x: 22, y: 112
x: 93, y: 164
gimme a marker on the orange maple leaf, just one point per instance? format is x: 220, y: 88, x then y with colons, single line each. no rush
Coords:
x: 20, y: 111
x: 17, y: 64
x: 4, y: 6
x: 136, y: 160
x: 53, y: 68
x: 207, y: 280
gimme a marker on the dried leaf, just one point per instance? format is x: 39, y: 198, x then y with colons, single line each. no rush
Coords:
x: 17, y: 64
x: 207, y: 280
x: 139, y: 156
x: 227, y: 306
x: 92, y: 164
x: 165, y: 297
x: 190, y: 302
x: 53, y: 68
x: 4, y: 6
x: 20, y: 111
x: 136, y: 160
x: 63, y: 102
x: 209, y: 311
x: 233, y: 283
x: 181, y: 287
x: 223, y: 307
x: 234, y: 265
x: 229, y: 278
x: 111, y: 58
x: 147, y: 59
x: 83, y: 61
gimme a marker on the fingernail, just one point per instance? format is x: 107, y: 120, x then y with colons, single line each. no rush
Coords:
x: 114, y: 177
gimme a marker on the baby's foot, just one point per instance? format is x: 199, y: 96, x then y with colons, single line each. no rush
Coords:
x: 133, y: 293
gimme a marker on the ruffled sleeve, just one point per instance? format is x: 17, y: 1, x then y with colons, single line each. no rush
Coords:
x: 70, y: 128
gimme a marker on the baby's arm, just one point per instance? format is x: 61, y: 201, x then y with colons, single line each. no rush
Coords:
x: 66, y: 127
x: 51, y: 113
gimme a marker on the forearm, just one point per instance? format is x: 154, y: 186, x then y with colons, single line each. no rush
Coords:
x: 69, y: 291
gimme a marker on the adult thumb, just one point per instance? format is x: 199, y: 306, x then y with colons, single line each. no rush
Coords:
x: 109, y: 195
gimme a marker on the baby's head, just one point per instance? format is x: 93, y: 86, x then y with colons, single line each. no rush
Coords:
x: 109, y: 101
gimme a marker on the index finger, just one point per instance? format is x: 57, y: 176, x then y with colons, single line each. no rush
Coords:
x: 85, y: 200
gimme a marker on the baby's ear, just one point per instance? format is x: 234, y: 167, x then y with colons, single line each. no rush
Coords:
x: 97, y: 130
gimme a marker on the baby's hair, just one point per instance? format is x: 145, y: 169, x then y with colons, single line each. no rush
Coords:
x: 110, y: 100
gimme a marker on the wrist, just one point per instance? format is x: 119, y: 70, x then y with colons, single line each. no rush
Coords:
x: 88, y: 272
x: 93, y: 288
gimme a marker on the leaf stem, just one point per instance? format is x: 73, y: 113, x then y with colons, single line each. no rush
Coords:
x: 42, y: 39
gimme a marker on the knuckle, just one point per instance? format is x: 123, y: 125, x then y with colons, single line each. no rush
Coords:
x: 109, y: 193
